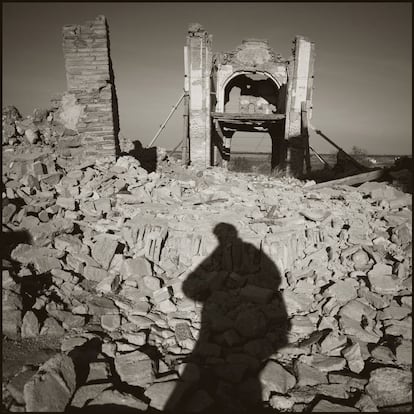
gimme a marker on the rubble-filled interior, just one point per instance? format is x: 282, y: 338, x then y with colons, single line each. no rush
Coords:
x: 249, y: 93
x: 196, y: 290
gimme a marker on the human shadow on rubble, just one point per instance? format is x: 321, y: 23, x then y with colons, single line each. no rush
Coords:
x: 243, y: 322
x: 146, y: 156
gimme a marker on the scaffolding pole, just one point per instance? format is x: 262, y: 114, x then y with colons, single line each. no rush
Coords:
x: 165, y: 122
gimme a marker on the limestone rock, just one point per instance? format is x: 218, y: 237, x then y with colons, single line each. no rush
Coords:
x: 103, y: 251
x: 354, y: 358
x: 165, y: 395
x: 308, y: 375
x: 87, y: 393
x: 11, y: 323
x: 390, y: 386
x: 135, y: 368
x: 30, y: 325
x: 118, y: 399
x: 324, y: 406
x: 276, y: 378
x: 51, y: 388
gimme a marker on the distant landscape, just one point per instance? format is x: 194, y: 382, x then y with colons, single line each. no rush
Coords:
x: 260, y: 161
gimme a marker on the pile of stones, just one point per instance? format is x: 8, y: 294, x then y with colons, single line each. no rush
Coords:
x: 199, y: 291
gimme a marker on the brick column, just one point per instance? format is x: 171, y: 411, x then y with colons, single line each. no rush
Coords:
x: 199, y: 71
x: 299, y: 90
x: 90, y: 83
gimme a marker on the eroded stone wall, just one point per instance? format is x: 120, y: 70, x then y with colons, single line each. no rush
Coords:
x: 90, y: 81
x: 199, y: 70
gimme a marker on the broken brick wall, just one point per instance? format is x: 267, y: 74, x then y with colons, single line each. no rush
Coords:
x: 90, y: 104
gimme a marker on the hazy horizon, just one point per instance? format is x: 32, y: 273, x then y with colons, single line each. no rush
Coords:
x: 362, y: 86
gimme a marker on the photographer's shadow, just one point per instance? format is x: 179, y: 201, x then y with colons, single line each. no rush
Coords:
x: 243, y: 322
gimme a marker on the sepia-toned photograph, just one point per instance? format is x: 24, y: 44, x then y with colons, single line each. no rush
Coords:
x: 206, y: 207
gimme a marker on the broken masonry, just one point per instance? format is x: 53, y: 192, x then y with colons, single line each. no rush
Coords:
x: 248, y: 89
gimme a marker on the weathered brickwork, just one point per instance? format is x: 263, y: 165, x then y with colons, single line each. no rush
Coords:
x: 90, y: 79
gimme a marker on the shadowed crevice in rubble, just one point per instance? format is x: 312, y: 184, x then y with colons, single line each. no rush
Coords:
x: 10, y: 239
x: 106, y: 408
x: 243, y: 322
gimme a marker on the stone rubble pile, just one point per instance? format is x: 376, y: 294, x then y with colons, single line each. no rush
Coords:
x: 204, y: 290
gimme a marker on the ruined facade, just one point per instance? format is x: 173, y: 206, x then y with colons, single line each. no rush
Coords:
x: 90, y: 104
x: 248, y: 89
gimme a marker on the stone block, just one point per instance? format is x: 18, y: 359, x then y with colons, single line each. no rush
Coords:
x: 11, y: 323
x: 135, y: 368
x: 275, y: 378
x: 30, y: 325
x: 390, y: 386
x: 103, y: 250
x: 52, y: 387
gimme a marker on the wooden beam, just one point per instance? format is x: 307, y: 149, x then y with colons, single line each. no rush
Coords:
x: 351, y: 180
x: 305, y: 133
x: 247, y: 117
x: 351, y: 159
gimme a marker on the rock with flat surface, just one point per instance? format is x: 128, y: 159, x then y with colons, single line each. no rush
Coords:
x: 135, y: 368
x: 165, y: 395
x: 324, y: 363
x: 366, y: 405
x: 117, y: 399
x: 275, y: 378
x: 324, y: 406
x: 87, y: 393
x: 354, y: 358
x: 404, y: 352
x: 95, y: 274
x: 103, y: 251
x: 30, y: 325
x: 390, y: 386
x: 52, y: 387
x: 51, y: 327
x: 343, y: 290
x: 136, y: 268
x: 308, y: 375
x: 11, y: 323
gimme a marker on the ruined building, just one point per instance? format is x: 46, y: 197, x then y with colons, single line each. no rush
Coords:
x: 248, y: 89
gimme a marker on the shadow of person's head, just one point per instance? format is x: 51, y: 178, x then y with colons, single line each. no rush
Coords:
x: 146, y: 156
x: 225, y: 232
x: 137, y: 146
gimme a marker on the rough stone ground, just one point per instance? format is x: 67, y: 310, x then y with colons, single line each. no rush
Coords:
x: 99, y: 257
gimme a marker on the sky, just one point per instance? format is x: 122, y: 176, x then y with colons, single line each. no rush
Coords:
x: 363, y: 67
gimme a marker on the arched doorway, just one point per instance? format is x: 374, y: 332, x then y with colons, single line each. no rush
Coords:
x: 251, y: 103
x: 250, y: 92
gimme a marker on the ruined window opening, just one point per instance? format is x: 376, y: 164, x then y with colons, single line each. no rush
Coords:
x: 251, y: 93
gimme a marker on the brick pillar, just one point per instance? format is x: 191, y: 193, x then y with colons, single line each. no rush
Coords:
x: 299, y: 90
x: 90, y: 83
x: 199, y: 71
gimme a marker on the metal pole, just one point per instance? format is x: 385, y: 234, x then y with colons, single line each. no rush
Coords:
x: 173, y: 150
x: 165, y: 122
x: 319, y: 157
